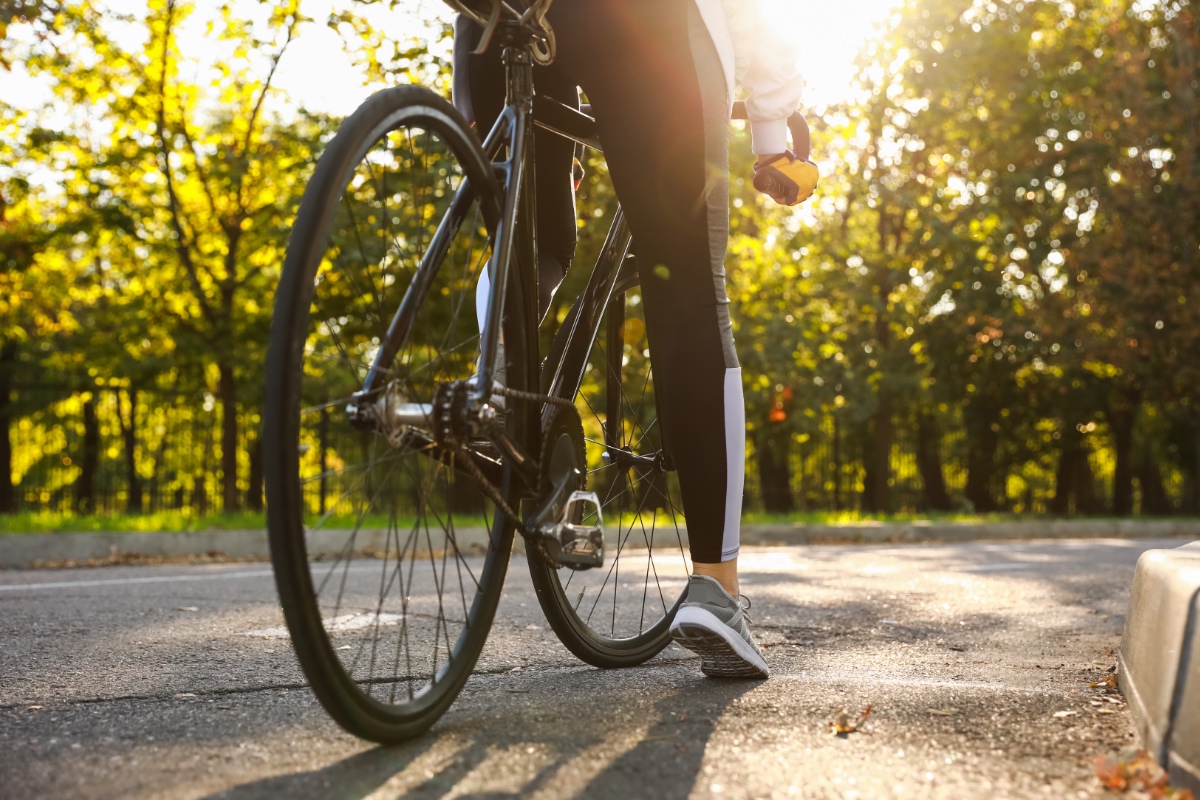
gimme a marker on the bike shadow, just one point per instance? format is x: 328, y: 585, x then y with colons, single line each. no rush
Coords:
x: 579, y: 733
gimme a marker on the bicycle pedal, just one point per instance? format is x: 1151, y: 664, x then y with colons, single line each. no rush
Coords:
x: 575, y: 545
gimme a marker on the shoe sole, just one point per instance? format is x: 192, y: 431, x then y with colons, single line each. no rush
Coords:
x: 723, y: 653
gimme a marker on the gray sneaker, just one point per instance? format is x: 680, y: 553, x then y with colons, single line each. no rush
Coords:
x: 713, y: 624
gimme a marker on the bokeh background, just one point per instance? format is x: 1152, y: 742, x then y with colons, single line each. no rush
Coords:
x: 988, y: 307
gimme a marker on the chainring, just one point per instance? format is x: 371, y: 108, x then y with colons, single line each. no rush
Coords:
x: 565, y: 422
x: 562, y: 449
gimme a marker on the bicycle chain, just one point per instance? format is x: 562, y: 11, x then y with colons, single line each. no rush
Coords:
x: 491, y: 491
x: 517, y: 394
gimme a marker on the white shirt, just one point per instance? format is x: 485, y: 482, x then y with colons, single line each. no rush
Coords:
x: 755, y: 55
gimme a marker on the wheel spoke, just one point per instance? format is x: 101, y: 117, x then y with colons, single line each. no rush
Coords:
x: 617, y: 402
x: 395, y: 628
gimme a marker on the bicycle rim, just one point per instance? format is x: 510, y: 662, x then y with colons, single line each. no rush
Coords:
x: 389, y: 562
x: 618, y: 615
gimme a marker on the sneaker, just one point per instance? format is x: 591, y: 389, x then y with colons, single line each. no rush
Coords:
x: 713, y: 624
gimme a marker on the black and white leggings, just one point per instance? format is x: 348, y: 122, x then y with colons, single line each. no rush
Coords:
x: 657, y: 89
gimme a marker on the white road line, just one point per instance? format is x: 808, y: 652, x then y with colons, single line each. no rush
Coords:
x: 16, y: 587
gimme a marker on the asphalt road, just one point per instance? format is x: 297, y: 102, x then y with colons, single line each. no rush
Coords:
x: 141, y: 682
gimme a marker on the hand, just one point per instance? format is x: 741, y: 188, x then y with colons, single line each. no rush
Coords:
x: 789, y: 180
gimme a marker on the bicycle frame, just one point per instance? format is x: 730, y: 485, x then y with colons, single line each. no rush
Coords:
x: 514, y: 255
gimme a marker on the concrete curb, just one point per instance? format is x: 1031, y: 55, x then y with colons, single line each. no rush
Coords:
x: 1159, y: 660
x: 901, y: 532
x: 26, y: 550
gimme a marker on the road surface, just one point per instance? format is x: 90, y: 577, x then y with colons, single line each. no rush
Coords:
x: 976, y: 659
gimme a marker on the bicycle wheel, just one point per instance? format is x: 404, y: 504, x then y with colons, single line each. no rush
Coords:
x: 388, y: 560
x: 618, y: 615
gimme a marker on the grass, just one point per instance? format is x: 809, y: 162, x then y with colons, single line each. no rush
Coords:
x: 859, y: 518
x: 54, y: 522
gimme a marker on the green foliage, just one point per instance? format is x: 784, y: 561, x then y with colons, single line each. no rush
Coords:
x: 989, y: 304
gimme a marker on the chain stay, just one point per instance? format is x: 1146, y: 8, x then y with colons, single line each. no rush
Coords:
x: 449, y: 402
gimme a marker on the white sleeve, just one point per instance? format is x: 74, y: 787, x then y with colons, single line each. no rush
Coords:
x: 766, y: 68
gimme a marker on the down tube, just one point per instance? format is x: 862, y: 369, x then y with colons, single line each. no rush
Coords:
x: 398, y: 329
x: 596, y: 296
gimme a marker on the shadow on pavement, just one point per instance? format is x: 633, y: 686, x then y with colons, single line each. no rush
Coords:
x: 348, y: 779
x: 487, y: 745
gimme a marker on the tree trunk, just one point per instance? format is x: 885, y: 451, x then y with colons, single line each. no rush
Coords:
x: 837, y: 464
x: 1196, y: 469
x: 1086, y: 501
x: 981, y: 458
x: 1074, y: 480
x: 153, y: 489
x: 1155, y: 502
x: 199, y: 482
x: 1063, y: 479
x: 1121, y: 417
x: 254, y: 492
x: 934, y: 496
x: 772, y: 456
x: 227, y: 390
x: 85, y: 493
x: 133, y: 500
x: 877, y: 459
x: 8, y: 492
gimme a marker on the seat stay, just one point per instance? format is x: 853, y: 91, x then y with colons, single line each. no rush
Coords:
x: 600, y: 286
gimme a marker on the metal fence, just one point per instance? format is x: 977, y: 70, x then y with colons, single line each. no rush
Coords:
x: 96, y: 452
x: 106, y: 451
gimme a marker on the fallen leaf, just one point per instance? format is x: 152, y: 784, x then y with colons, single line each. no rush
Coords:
x: 683, y: 717
x: 225, y: 708
x: 1136, y: 772
x: 943, y: 712
x: 34, y: 708
x: 1108, y: 682
x: 187, y: 608
x: 181, y: 695
x: 843, y: 724
x: 1065, y: 713
x: 532, y: 627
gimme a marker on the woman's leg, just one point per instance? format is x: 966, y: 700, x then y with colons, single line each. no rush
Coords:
x: 479, y: 94
x: 655, y: 82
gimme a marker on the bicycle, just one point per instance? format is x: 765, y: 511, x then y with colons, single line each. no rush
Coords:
x: 454, y: 420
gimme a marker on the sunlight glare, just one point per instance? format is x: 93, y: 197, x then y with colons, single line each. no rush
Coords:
x: 829, y: 36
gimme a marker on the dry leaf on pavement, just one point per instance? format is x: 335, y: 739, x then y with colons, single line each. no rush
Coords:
x: 1135, y: 771
x: 844, y: 724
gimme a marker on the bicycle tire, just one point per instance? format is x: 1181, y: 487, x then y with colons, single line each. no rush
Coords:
x: 352, y: 701
x: 588, y: 641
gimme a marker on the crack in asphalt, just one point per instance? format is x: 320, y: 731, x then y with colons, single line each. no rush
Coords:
x: 490, y: 672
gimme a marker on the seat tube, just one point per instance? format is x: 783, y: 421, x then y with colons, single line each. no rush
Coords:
x: 514, y: 236
x: 519, y: 76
